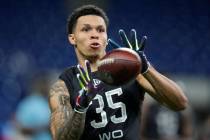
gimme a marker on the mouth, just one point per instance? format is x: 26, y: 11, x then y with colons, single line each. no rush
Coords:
x: 95, y: 45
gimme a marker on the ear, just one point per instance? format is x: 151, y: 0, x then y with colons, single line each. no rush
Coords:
x: 71, y: 38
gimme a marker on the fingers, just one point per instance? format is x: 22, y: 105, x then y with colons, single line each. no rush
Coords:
x: 124, y: 39
x: 142, y: 43
x: 113, y: 44
x: 82, y: 74
x: 134, y: 40
x: 84, y: 77
x: 88, y: 72
x: 132, y: 44
x: 82, y: 83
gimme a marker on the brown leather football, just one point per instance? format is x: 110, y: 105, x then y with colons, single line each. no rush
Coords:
x: 119, y: 66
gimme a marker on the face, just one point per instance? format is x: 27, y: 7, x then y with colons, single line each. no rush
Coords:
x: 89, y: 37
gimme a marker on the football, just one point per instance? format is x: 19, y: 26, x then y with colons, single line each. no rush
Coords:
x: 119, y: 66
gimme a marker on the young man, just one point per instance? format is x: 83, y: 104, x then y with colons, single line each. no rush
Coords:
x: 83, y: 107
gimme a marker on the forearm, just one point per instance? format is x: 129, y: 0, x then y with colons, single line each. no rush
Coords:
x: 73, y: 127
x: 169, y: 92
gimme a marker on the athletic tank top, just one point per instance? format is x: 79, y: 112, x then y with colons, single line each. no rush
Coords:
x: 114, y: 112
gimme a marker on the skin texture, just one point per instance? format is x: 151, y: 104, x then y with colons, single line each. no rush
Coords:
x: 89, y: 29
x: 66, y: 124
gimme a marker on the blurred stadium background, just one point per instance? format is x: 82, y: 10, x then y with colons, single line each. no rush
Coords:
x: 33, y: 41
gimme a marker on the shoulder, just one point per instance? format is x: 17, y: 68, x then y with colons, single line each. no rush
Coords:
x: 68, y: 71
x: 59, y: 87
x: 69, y: 77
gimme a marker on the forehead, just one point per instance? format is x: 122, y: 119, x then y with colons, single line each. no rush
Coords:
x: 92, y: 20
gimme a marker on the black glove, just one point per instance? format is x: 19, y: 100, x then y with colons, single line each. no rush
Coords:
x: 134, y: 45
x: 88, y: 90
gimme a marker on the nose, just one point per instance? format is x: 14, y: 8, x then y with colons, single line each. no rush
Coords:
x: 94, y: 35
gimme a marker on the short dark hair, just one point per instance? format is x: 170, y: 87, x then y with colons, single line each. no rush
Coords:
x: 83, y: 11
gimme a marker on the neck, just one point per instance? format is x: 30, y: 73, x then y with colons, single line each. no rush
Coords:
x: 93, y: 63
x: 92, y: 59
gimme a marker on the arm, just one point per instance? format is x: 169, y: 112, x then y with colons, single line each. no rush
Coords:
x: 68, y: 123
x: 164, y: 90
x: 65, y: 123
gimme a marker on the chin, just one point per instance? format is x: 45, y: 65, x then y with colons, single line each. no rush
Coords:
x: 92, y: 57
x: 95, y: 55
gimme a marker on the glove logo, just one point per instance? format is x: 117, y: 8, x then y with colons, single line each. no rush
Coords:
x: 96, y: 82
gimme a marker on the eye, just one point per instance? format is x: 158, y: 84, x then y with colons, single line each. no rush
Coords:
x: 85, y: 29
x: 101, y: 30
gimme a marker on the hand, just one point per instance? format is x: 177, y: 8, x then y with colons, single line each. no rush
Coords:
x: 88, y: 90
x: 134, y: 45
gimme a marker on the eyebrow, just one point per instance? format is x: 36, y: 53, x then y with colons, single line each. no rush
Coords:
x: 96, y: 25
